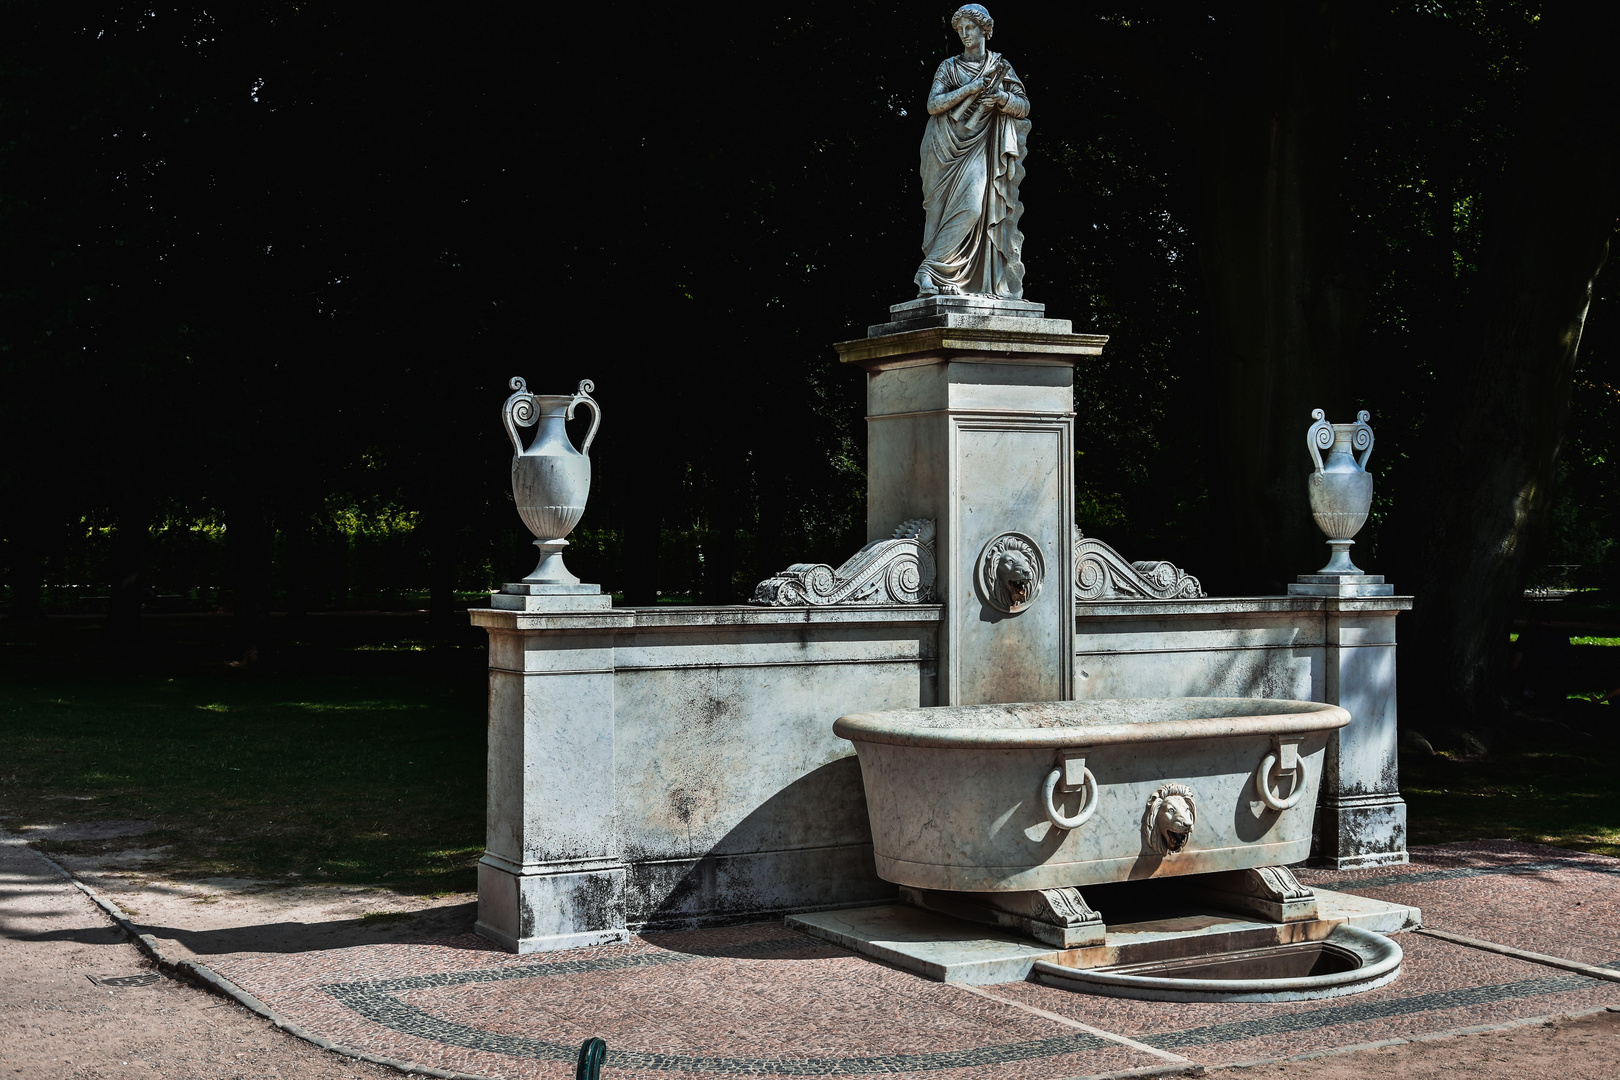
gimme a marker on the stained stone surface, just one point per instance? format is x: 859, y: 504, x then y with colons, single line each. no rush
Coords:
x: 974, y: 818
x: 665, y: 766
x: 1330, y: 649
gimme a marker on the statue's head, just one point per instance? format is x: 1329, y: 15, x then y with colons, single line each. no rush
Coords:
x: 976, y: 15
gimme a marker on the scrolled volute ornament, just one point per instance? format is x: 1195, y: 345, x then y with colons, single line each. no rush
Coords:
x: 1101, y: 573
x: 899, y: 570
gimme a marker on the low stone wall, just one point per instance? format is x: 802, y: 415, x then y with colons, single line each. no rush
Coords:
x: 676, y: 766
x: 1340, y: 650
x: 673, y: 766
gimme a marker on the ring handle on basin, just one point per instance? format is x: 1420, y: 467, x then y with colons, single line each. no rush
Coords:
x: 1054, y: 815
x: 1262, y: 780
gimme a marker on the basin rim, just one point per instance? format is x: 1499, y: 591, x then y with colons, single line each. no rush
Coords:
x: 902, y: 727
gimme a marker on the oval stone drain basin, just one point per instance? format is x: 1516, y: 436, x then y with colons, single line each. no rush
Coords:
x: 1348, y: 961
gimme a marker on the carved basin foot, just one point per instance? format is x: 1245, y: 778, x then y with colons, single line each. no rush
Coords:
x: 1059, y: 917
x: 1271, y: 892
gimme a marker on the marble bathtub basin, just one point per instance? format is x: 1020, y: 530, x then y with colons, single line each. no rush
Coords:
x: 967, y: 798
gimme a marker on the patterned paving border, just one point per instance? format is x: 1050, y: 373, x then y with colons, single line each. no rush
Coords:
x: 1360, y: 1011
x: 375, y: 1000
x: 1417, y: 877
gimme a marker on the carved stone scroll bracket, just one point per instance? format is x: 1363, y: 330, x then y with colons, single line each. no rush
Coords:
x: 1101, y: 573
x: 1271, y: 892
x: 899, y: 570
x: 1059, y: 917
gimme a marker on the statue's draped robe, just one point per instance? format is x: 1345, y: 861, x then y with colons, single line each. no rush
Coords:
x: 970, y: 180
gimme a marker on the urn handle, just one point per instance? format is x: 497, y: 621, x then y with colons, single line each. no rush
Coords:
x: 1362, y: 439
x: 583, y: 397
x: 1319, y: 437
x: 519, y: 411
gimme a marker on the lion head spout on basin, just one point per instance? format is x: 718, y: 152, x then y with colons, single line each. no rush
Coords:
x: 1168, y: 823
x: 1008, y: 798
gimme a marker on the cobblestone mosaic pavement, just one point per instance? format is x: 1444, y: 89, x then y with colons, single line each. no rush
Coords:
x: 760, y: 1000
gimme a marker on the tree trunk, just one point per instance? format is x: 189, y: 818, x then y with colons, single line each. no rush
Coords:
x: 1284, y: 300
x: 27, y: 573
x: 129, y: 572
x: 1496, y: 424
x: 296, y: 530
x: 725, y: 514
x: 1285, y: 305
x: 444, y: 614
x: 248, y: 536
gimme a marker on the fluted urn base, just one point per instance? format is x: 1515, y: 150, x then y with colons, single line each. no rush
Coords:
x: 550, y: 570
x: 1340, y: 562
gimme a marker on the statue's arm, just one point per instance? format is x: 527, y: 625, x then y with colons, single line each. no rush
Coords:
x: 942, y: 98
x: 1012, y: 98
x: 1015, y: 105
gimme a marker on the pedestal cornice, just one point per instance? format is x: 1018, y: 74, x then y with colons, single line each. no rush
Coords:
x: 1012, y: 339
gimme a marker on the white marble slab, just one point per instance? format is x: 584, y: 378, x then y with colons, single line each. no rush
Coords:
x: 951, y: 950
x: 933, y: 945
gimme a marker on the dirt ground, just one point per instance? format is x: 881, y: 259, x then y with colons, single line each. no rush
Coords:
x: 193, y: 920
x: 61, y: 1018
x: 1587, y: 1048
x: 58, y: 1018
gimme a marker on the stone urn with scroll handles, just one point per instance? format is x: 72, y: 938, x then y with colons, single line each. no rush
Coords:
x: 1341, y: 488
x: 550, y: 479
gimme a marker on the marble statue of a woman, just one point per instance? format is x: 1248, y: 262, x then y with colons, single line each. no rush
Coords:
x: 972, y: 163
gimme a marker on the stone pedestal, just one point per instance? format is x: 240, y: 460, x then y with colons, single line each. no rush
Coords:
x: 527, y: 596
x: 970, y: 405
x: 1340, y: 585
x: 551, y: 876
x: 1360, y: 815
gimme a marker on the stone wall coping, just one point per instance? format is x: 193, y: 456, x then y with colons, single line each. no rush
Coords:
x: 707, y: 616
x: 700, y: 617
x: 1238, y: 605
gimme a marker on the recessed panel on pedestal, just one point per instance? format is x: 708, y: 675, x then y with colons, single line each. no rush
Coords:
x: 1011, y: 482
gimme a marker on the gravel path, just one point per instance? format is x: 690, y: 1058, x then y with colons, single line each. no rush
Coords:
x: 61, y: 1017
x: 56, y: 1022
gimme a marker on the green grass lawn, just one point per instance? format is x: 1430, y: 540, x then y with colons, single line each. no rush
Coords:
x: 1552, y: 778
x: 1564, y: 795
x: 376, y: 778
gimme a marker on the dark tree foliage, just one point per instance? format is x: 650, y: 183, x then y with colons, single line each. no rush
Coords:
x: 1493, y: 445
x: 265, y: 271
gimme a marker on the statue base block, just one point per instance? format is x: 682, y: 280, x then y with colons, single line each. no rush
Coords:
x: 961, y: 311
